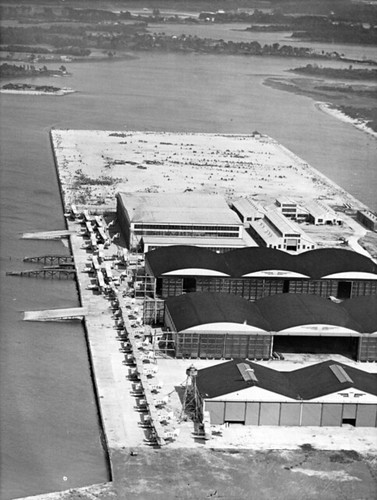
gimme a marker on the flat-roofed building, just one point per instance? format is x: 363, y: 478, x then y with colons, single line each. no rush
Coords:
x: 324, y: 394
x: 276, y: 231
x: 287, y: 207
x: 151, y: 217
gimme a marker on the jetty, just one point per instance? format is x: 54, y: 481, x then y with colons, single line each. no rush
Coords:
x: 61, y: 273
x: 56, y: 314
x: 47, y: 235
x: 52, y: 260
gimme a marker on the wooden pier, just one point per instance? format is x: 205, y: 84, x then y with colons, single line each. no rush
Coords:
x: 46, y: 273
x: 55, y: 314
x: 48, y: 235
x: 52, y: 260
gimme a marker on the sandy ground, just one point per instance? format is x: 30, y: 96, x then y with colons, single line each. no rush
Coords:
x: 94, y: 165
x: 230, y: 165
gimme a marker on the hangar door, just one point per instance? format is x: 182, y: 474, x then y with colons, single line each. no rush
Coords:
x: 235, y: 411
x: 366, y: 416
x: 216, y: 410
x: 331, y: 414
x: 347, y: 346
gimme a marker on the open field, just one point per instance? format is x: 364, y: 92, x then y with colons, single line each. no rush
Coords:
x: 230, y: 165
x: 94, y: 165
x: 234, y: 475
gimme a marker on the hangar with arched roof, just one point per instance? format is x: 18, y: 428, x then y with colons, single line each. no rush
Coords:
x: 255, y: 272
x: 218, y: 325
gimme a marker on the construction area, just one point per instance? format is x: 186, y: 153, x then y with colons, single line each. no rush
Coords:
x: 175, y: 427
x: 155, y: 388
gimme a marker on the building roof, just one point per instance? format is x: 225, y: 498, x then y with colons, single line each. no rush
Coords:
x: 319, y: 209
x: 215, y: 242
x: 246, y: 207
x: 195, y: 309
x: 284, y: 225
x: 225, y: 378
x: 253, y: 259
x: 276, y: 313
x: 326, y: 261
x: 168, y: 259
x: 288, y: 310
x: 237, y: 263
x: 364, y: 311
x: 284, y: 200
x: 178, y: 208
x: 265, y: 231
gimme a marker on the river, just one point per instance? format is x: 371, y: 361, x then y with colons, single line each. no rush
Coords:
x: 49, y: 425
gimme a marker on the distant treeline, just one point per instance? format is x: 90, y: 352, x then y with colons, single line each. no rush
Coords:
x: 345, y: 74
x: 80, y: 39
x: 12, y: 70
x: 28, y: 86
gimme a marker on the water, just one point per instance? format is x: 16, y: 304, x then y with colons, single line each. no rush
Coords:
x: 49, y: 424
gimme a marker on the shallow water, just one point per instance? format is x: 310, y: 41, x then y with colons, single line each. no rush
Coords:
x: 49, y: 424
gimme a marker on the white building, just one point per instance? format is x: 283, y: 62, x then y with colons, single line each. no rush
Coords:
x: 276, y: 231
x: 248, y: 210
x: 153, y: 220
x: 319, y: 213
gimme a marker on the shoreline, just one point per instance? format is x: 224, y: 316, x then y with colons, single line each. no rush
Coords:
x: 332, y: 110
x: 327, y: 107
x: 60, y: 92
x: 101, y: 428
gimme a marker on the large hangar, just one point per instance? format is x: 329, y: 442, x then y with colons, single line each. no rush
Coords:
x: 324, y: 394
x: 153, y: 220
x: 255, y: 272
x: 217, y: 325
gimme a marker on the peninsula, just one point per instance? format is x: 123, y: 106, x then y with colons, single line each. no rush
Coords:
x: 148, y: 162
x: 29, y: 89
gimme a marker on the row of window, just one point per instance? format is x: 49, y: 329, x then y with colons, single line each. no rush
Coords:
x: 146, y: 232
x: 186, y: 227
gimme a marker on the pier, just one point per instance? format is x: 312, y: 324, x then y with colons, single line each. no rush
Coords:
x: 47, y: 235
x: 52, y: 260
x: 56, y: 314
x: 46, y: 273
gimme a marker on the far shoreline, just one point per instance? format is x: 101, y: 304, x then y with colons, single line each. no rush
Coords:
x: 334, y: 111
x: 60, y: 92
x: 325, y: 106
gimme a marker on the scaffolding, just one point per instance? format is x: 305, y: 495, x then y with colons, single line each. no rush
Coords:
x: 192, y: 403
x: 153, y: 311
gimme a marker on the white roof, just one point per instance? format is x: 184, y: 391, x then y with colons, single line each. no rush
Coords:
x: 286, y: 226
x: 178, y: 208
x: 284, y: 200
x: 246, y: 206
x: 266, y: 232
x: 200, y: 242
x: 318, y: 209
